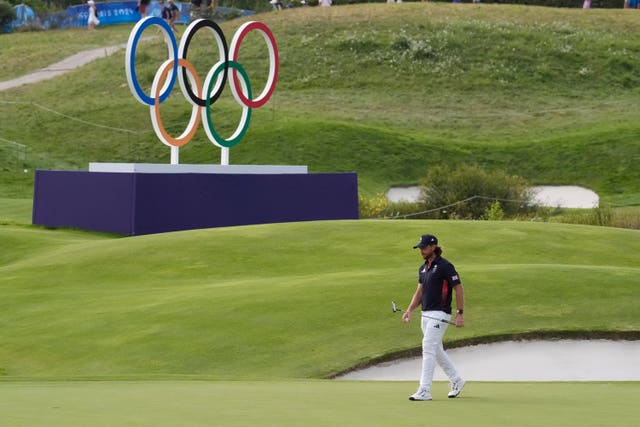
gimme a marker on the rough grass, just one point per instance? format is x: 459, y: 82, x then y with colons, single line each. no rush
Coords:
x: 385, y: 91
x: 24, y: 52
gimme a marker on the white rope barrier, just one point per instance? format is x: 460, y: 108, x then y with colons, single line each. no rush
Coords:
x: 457, y: 203
x: 75, y: 119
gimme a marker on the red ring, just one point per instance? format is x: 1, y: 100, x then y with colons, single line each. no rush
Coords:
x: 273, y: 76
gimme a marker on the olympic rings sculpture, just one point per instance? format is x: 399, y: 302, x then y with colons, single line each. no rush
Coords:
x: 201, y: 96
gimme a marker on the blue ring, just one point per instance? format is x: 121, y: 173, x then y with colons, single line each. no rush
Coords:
x: 153, y: 20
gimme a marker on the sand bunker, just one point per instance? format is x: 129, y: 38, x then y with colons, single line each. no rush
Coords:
x: 561, y: 360
x: 562, y: 196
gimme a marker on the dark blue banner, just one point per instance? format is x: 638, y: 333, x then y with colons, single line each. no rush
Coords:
x: 120, y: 12
x: 109, y: 13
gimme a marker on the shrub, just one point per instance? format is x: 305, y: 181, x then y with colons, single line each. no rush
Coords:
x: 380, y: 207
x: 469, y: 192
x: 494, y: 212
x: 373, y: 207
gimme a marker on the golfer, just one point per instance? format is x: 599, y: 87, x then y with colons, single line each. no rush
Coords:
x: 437, y: 278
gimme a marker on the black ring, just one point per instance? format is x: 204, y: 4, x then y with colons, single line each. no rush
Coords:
x: 199, y: 24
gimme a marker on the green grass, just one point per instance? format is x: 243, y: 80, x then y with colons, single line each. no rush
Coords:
x: 316, y: 403
x: 15, y: 211
x: 545, y: 93
x: 24, y: 52
x: 300, y: 300
x: 237, y: 326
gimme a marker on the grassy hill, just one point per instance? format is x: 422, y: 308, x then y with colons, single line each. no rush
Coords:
x: 384, y: 90
x: 300, y: 300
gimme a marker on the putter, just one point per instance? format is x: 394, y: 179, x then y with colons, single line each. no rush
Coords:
x: 395, y: 309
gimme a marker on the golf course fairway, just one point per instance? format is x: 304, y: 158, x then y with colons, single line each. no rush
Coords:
x: 313, y: 403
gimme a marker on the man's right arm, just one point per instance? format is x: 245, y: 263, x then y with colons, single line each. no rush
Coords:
x: 416, y: 300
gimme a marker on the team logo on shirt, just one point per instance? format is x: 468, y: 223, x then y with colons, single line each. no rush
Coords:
x: 455, y: 277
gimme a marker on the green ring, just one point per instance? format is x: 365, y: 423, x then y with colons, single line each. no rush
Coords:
x: 220, y: 140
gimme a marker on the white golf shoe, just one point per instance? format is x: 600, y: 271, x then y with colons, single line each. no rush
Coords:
x: 456, y: 388
x: 421, y: 394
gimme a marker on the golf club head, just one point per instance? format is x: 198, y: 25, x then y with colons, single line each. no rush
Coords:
x: 394, y: 308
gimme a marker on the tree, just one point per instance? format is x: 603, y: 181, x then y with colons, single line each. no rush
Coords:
x: 7, y: 14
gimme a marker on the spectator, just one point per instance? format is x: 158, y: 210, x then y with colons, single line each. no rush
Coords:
x: 202, y: 9
x: 167, y: 14
x: 142, y: 7
x: 175, y: 14
x: 93, y: 16
x: 208, y: 8
x: 195, y: 9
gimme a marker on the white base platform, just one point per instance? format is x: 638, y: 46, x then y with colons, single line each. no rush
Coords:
x: 184, y: 168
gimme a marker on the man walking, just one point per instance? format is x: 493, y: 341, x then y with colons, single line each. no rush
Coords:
x: 437, y: 278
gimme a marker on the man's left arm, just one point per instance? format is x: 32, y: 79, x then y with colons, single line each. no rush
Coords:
x: 459, y: 290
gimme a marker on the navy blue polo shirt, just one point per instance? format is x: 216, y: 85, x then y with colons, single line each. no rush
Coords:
x: 437, y: 280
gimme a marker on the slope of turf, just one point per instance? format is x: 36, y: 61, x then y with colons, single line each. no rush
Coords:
x: 383, y: 90
x: 299, y: 300
x: 16, y: 211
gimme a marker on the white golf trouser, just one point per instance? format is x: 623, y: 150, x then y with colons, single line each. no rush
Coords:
x: 432, y: 349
